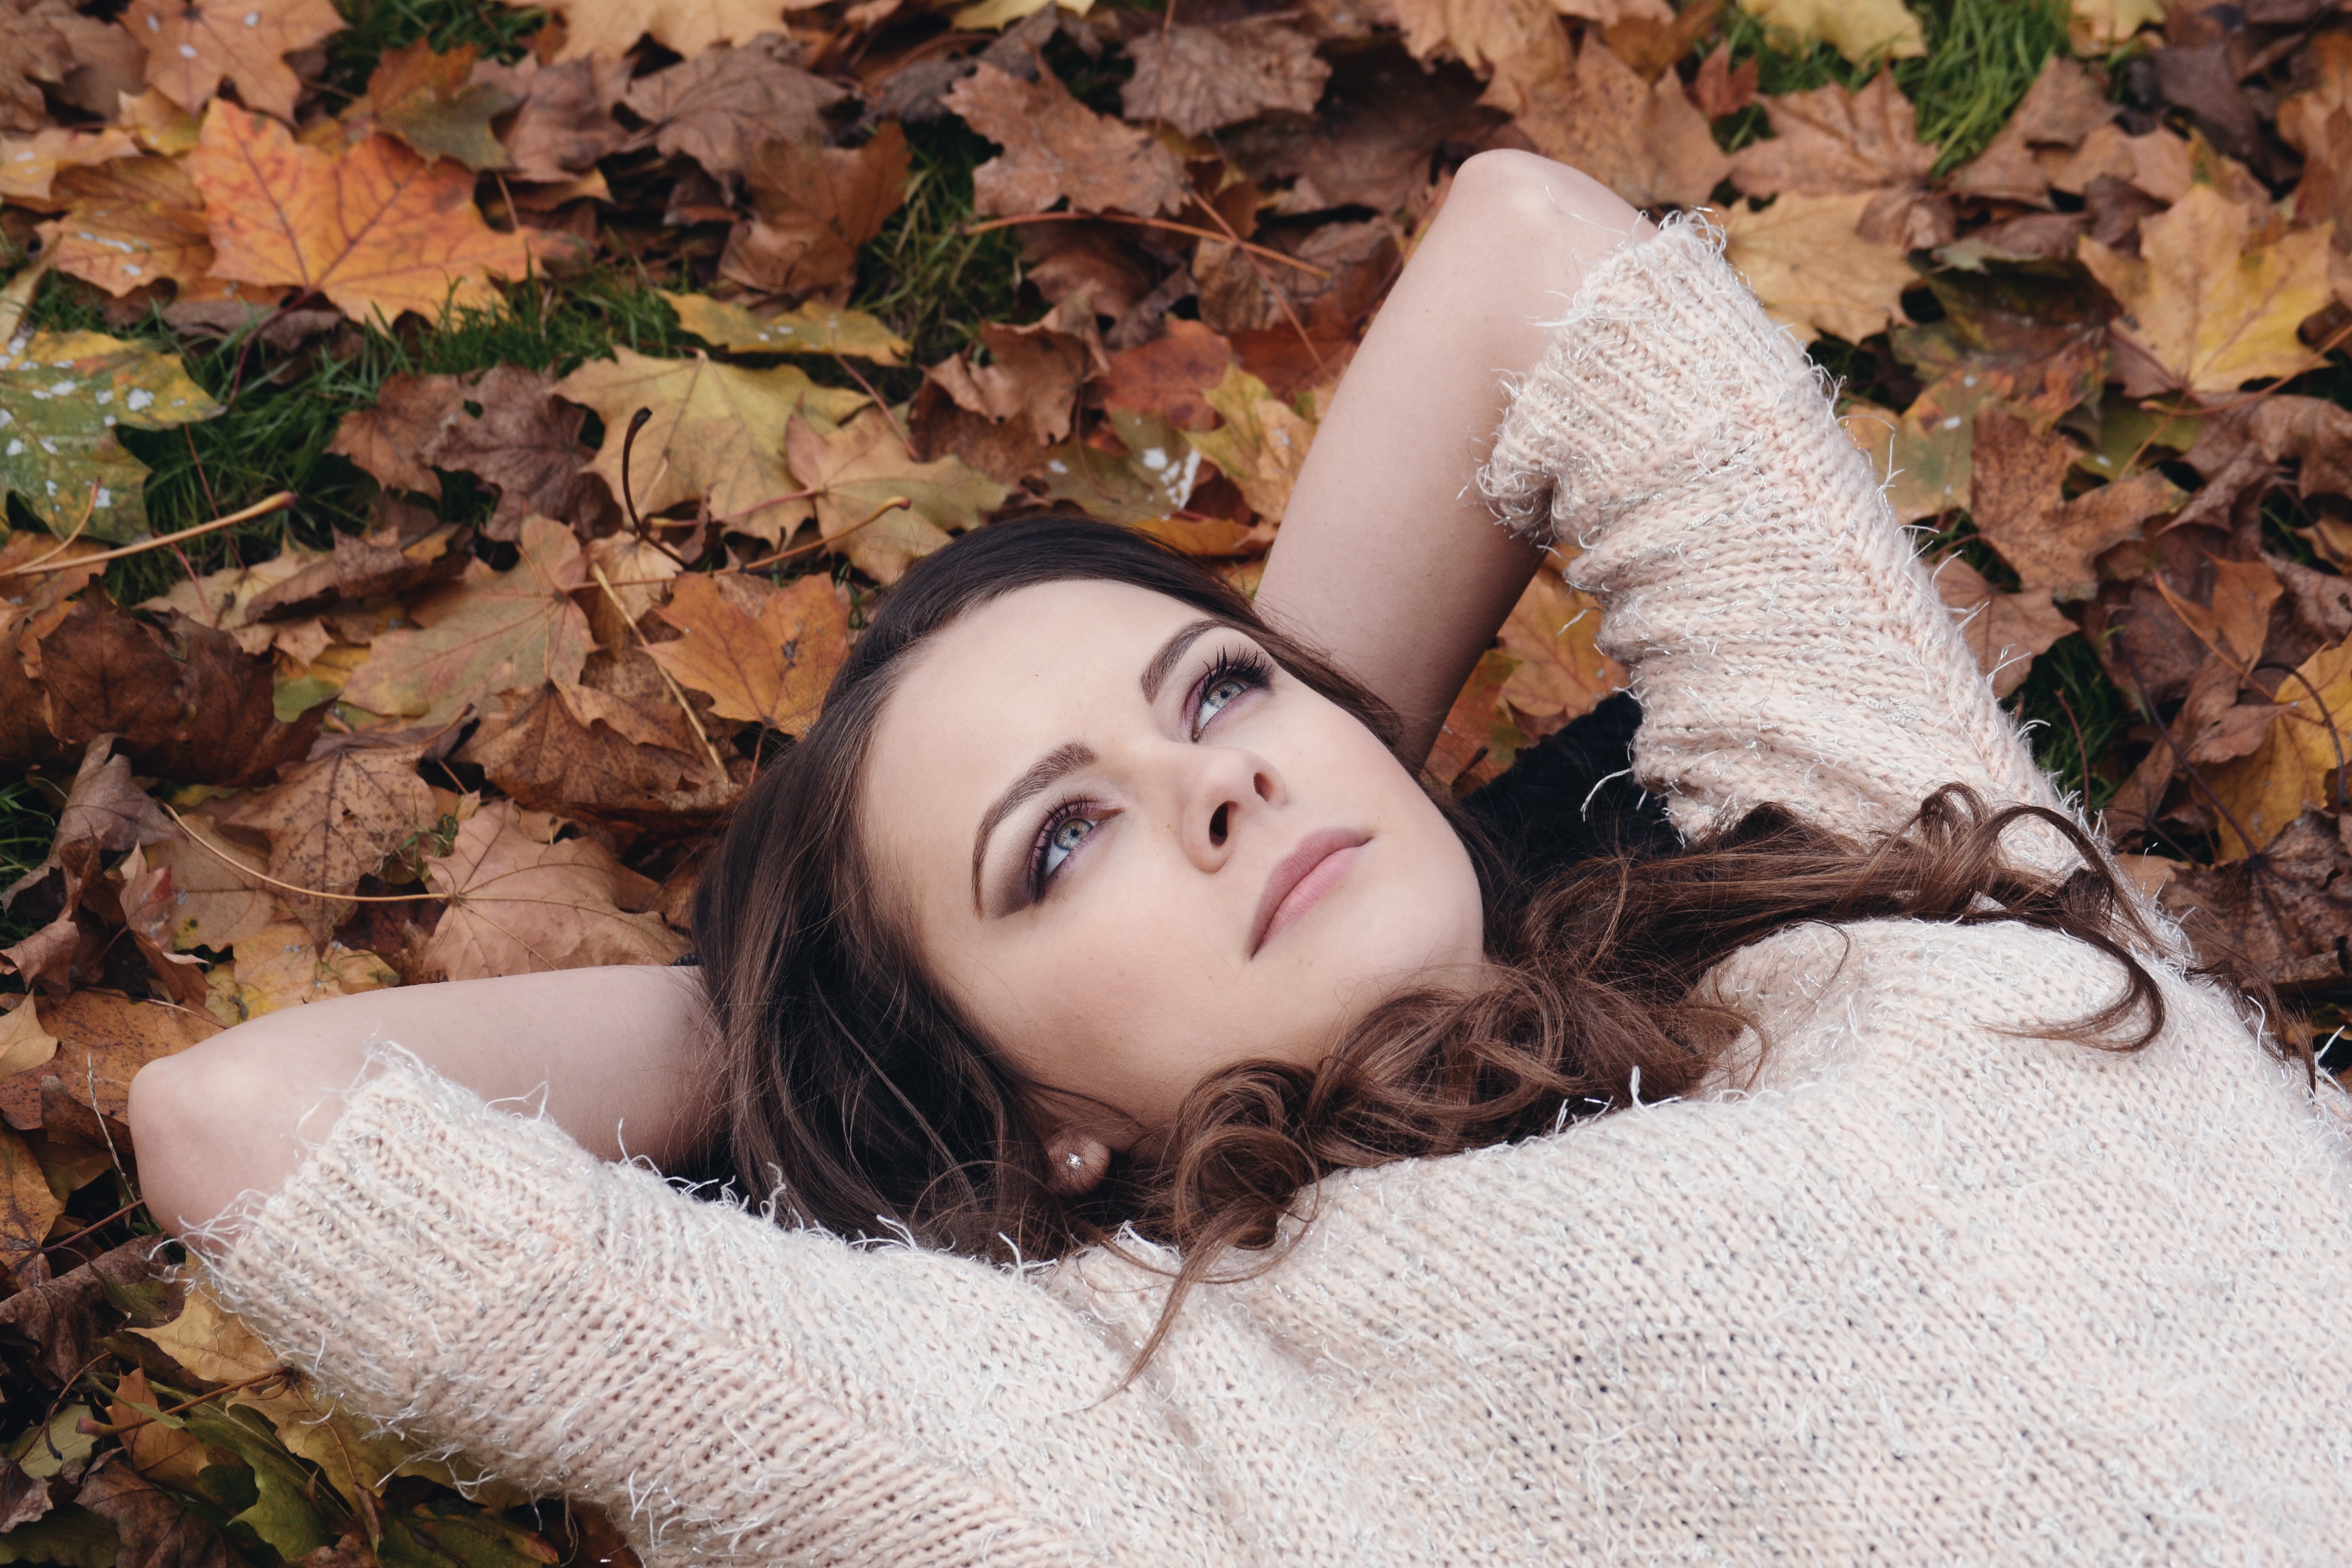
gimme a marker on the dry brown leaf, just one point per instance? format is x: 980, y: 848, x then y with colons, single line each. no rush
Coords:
x: 1812, y: 269
x: 357, y: 569
x: 2051, y: 542
x: 1262, y: 445
x: 1718, y: 88
x: 145, y: 897
x: 2004, y: 631
x: 2237, y: 622
x: 592, y: 755
x: 1033, y: 375
x: 717, y: 105
x: 2286, y: 914
x: 23, y: 1043
x: 131, y: 223
x: 29, y: 167
x: 1829, y: 141
x: 1201, y: 80
x: 104, y: 1038
x: 816, y: 204
x: 611, y: 29
x: 105, y: 812
x: 1055, y: 147
x: 2064, y: 105
x: 1170, y: 376
x: 1563, y: 674
x: 1861, y: 31
x: 522, y: 902
x: 34, y: 48
x: 164, y: 1455
x: 192, y: 47
x: 1643, y: 140
x: 390, y: 439
x: 284, y: 965
x: 565, y: 124
x: 214, y: 905
x: 526, y: 447
x: 1240, y: 293
x: 771, y: 668
x: 1519, y: 42
x: 1371, y: 140
x: 876, y: 503
x: 333, y: 818
x: 28, y: 1207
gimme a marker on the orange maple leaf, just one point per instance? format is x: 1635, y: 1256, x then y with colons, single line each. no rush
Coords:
x: 376, y: 230
x: 772, y: 668
x: 191, y: 47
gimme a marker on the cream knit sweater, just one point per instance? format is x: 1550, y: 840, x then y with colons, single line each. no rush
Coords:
x: 1925, y: 1293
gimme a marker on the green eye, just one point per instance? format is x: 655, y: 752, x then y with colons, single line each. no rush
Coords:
x: 1061, y: 841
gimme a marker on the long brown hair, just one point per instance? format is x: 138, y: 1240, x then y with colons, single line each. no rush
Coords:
x: 857, y: 1096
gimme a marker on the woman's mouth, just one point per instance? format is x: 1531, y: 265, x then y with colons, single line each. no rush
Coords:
x: 1301, y: 878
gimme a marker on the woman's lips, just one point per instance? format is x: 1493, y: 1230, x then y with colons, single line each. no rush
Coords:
x: 1300, y: 880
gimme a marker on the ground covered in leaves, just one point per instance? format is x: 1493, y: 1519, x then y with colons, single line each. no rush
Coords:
x: 448, y: 447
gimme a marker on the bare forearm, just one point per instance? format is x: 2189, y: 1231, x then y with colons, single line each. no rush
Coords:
x: 624, y: 1054
x: 1388, y: 559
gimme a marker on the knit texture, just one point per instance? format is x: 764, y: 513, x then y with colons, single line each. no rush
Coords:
x: 1921, y: 1290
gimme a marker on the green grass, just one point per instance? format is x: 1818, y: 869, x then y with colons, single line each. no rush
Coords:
x: 28, y: 820
x: 2076, y: 711
x: 935, y: 285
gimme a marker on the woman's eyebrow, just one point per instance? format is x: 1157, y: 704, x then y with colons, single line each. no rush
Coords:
x: 1155, y: 674
x: 1053, y: 765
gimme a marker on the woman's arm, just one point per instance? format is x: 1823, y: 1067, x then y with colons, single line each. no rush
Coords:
x: 625, y: 1053
x: 1389, y: 558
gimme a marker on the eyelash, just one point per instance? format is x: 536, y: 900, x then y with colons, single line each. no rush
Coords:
x: 1251, y: 667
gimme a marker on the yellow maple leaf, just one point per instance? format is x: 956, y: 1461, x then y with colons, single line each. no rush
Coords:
x: 2213, y: 305
x: 2269, y: 787
x: 1861, y: 31
x: 1262, y: 445
x: 878, y: 506
x: 717, y: 434
x: 191, y: 47
x: 1813, y: 273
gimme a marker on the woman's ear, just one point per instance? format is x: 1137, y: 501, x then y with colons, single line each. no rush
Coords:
x: 1076, y: 1164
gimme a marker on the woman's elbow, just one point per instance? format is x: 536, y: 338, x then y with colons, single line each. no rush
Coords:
x: 206, y: 1127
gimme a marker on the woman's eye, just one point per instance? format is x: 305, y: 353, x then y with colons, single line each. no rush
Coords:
x: 1060, y: 842
x: 1217, y: 694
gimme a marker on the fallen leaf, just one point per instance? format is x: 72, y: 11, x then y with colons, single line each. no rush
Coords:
x: 521, y: 901
x: 1519, y: 42
x: 23, y: 1043
x: 432, y: 102
x: 36, y: 49
x: 2286, y: 914
x: 1861, y: 30
x: 1812, y: 271
x: 1242, y: 293
x: 2004, y: 631
x: 1032, y: 374
x: 594, y: 756
x: 1643, y: 140
x: 1262, y: 445
x: 487, y: 632
x: 356, y: 569
x: 2018, y: 506
x: 812, y: 329
x: 2209, y: 305
x: 816, y: 206
x: 376, y: 229
x: 1170, y: 376
x: 859, y: 471
x: 2266, y: 790
x: 333, y: 819
x: 192, y: 47
x: 2312, y: 432
x: 2098, y: 26
x: 105, y: 1038
x: 1055, y: 147
x: 1201, y: 80
x: 1563, y: 674
x: 31, y: 167
x: 131, y: 223
x: 105, y: 812
x: 611, y: 28
x: 389, y: 441
x: 2237, y: 622
x: 2065, y: 105
x: 45, y: 958
x: 526, y: 447
x: 160, y: 1453
x: 28, y: 1207
x: 771, y: 668
x: 1373, y: 138
x: 282, y: 966
x: 717, y: 105
x: 62, y: 394
x: 2217, y: 727
x: 717, y: 434
x: 565, y: 123
x: 213, y: 905
x: 146, y: 899
x: 1147, y: 488
x: 1480, y: 737
x: 1829, y: 141
x: 1719, y: 89
x: 155, y: 1531
x: 63, y: 1317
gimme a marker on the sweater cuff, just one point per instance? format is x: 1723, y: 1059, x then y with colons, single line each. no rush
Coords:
x: 1647, y: 375
x: 420, y: 1224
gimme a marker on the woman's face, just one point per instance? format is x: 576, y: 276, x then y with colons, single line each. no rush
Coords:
x: 1134, y: 851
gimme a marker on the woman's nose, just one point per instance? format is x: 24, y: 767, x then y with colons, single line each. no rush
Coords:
x: 1225, y: 789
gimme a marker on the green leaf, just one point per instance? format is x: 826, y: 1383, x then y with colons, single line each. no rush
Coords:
x: 60, y: 399
x: 231, y: 1486
x: 814, y: 328
x: 437, y: 1536
x: 71, y: 1534
x: 65, y: 1447
x: 283, y: 1514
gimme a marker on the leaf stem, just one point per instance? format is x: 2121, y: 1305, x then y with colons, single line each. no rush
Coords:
x: 278, y: 503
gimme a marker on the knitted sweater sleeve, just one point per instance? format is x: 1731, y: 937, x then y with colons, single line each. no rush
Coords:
x: 726, y: 1389
x: 1784, y: 641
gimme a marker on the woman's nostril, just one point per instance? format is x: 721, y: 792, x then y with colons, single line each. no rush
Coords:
x: 1264, y: 786
x: 1217, y: 827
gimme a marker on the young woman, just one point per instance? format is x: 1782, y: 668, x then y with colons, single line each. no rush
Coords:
x: 1864, y: 1179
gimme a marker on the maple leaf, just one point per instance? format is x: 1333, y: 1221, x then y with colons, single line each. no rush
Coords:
x: 1718, y: 88
x: 213, y: 905
x: 1170, y: 376
x: 23, y: 1043
x: 28, y: 168
x: 1563, y: 674
x: 28, y: 1207
x: 526, y: 447
x: 2211, y: 305
x: 858, y: 470
x: 812, y: 329
x: 565, y: 122
x: 2303, y: 118
x: 220, y: 599
x: 61, y: 396
x: 1861, y: 31
x: 1147, y: 488
x: 1480, y: 737
x: 591, y: 755
x: 1520, y: 41
x: 356, y: 569
x: 433, y: 103
x: 1645, y: 141
x: 2004, y: 631
x: 1812, y: 271
x: 1201, y: 80
x: 816, y: 206
x: 717, y: 433
x: 691, y: 28
x: 1262, y: 445
x: 333, y: 819
x: 521, y: 901
x: 191, y: 44
x: 2098, y: 26
x: 1829, y: 141
x: 2237, y: 622
x: 376, y: 229
x: 389, y: 440
x: 1034, y: 374
x: 487, y: 633
x: 2270, y: 787
x: 1055, y: 147
x: 1239, y: 294
x: 129, y: 224
x: 283, y: 965
x: 771, y: 668
x: 105, y: 1038
x: 1372, y: 138
x: 717, y: 105
x: 2065, y: 105
x: 2019, y: 507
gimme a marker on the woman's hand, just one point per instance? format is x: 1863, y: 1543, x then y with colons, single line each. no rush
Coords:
x: 1388, y: 559
x: 625, y: 1054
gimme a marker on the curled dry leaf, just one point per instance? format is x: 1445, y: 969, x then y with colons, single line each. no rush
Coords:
x: 390, y: 439
x: 2019, y: 508
x: 34, y: 49
x: 595, y: 756
x: 1033, y: 375
x: 717, y: 434
x: 192, y: 46
x: 214, y: 904
x: 145, y: 897
x: 1812, y: 269
x: 2062, y: 107
x: 522, y: 902
x: 816, y: 206
x: 1372, y: 139
x: 62, y: 394
x: 526, y: 447
x: 376, y: 229
x: 1643, y: 140
x: 29, y: 167
x: 1056, y: 147
x: 1201, y: 80
x: 105, y: 812
x: 717, y: 105
x: 2285, y: 914
x: 2004, y: 631
x: 565, y: 122
x: 771, y: 668
x: 356, y: 569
